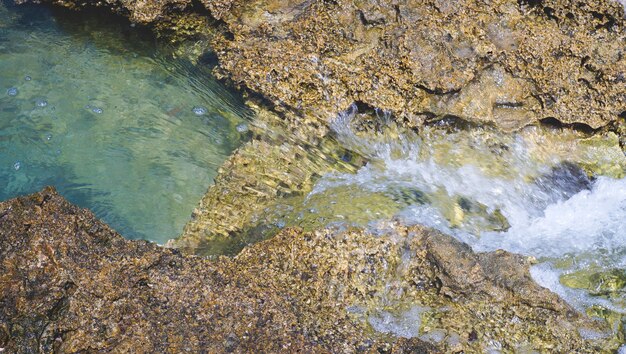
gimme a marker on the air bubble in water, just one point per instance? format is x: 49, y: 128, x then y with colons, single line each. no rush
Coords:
x: 17, y: 165
x: 242, y: 128
x: 199, y: 111
x: 13, y: 91
x: 97, y: 110
x: 41, y: 103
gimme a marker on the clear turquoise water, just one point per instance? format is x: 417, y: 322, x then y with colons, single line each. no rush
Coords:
x: 106, y: 115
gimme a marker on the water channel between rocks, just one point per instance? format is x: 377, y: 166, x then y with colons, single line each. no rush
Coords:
x: 558, y: 195
x: 109, y: 118
x: 120, y: 127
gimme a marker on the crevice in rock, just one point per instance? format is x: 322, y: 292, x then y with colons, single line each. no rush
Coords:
x: 508, y: 105
x: 584, y: 61
x: 580, y: 127
x: 549, y: 12
x: 367, y: 22
x: 396, y: 8
x: 609, y: 23
x: 199, y: 8
x: 59, y: 308
x: 364, y: 107
x: 530, y: 3
x: 260, y: 99
x: 451, y: 121
x: 587, y: 83
x: 437, y: 91
x: 209, y: 59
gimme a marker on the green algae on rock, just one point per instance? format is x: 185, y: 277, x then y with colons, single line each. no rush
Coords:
x: 278, y: 162
x: 70, y: 283
x: 598, y: 282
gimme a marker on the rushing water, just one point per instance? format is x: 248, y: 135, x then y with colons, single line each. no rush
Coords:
x: 557, y: 195
x: 105, y: 115
x: 526, y: 193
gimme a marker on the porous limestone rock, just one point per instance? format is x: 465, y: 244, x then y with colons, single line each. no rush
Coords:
x: 504, y: 62
x: 69, y: 283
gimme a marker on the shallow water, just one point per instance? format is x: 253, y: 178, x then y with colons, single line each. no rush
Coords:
x: 107, y: 116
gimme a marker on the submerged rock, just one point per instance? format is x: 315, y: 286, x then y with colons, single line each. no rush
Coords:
x: 597, y: 282
x: 276, y: 163
x: 70, y: 283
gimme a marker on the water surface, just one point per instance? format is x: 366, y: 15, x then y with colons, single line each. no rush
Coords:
x: 105, y: 114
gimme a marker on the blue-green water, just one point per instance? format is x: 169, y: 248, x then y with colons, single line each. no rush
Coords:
x: 110, y: 119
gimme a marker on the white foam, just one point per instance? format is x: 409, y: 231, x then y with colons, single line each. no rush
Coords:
x: 406, y: 324
x: 542, y: 224
x: 590, y: 220
x: 546, y: 221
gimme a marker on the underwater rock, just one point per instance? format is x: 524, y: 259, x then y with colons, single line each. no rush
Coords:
x: 277, y: 162
x: 567, y: 178
x: 597, y: 282
x: 70, y: 283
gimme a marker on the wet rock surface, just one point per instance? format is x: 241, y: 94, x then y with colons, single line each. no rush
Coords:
x: 266, y: 182
x: 70, y: 283
x: 276, y: 163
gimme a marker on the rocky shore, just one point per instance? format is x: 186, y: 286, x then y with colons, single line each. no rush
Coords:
x: 69, y: 283
x: 504, y: 62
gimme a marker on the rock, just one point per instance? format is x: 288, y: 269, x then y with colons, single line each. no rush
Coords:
x: 304, y: 61
x: 516, y: 64
x: 506, y: 62
x: 278, y: 162
x: 510, y: 65
x: 597, y: 282
x: 70, y: 283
